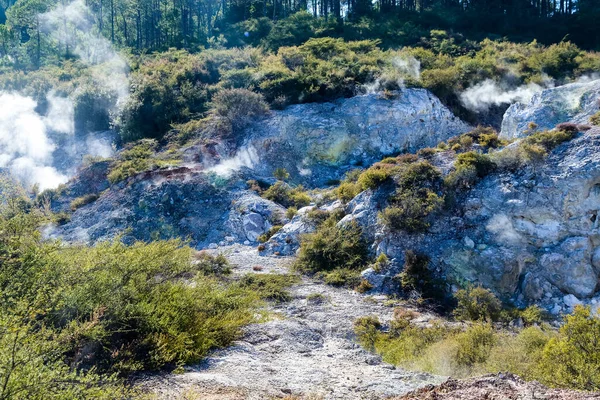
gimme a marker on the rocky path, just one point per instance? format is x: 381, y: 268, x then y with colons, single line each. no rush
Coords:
x: 307, y: 349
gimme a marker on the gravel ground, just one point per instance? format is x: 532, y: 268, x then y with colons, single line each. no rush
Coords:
x: 307, y: 349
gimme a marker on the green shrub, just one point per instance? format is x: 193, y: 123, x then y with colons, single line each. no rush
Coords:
x: 595, y: 119
x: 474, y: 345
x: 346, y: 191
x: 376, y: 176
x: 281, y: 174
x: 573, y: 358
x: 364, y: 286
x: 332, y: 247
x: 417, y: 278
x: 83, y: 200
x: 267, y: 235
x: 342, y: 277
x: 532, y: 315
x: 212, y: 265
x: 366, y: 328
x: 550, y: 139
x: 236, y: 108
x: 477, y: 304
x: 410, y: 209
x: 132, y: 161
x: 269, y: 286
x: 291, y: 212
x: 282, y: 193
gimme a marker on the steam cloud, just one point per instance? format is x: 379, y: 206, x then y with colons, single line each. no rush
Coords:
x: 246, y: 157
x: 28, y: 140
x: 404, y: 67
x: 72, y: 26
x: 26, y: 150
x: 488, y: 93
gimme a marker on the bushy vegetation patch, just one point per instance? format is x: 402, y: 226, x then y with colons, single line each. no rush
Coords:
x: 69, y: 314
x: 334, y: 253
x: 418, y: 185
x: 136, y: 158
x: 566, y: 358
x: 419, y: 282
x: 83, y: 200
x: 282, y: 193
x: 270, y: 287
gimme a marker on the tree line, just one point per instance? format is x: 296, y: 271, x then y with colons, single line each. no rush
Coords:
x: 156, y: 25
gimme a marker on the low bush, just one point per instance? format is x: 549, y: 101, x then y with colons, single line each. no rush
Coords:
x: 364, y: 286
x: 332, y: 247
x: 418, y: 281
x: 595, y: 119
x: 270, y: 287
x: 341, y: 277
x: 212, y: 265
x: 132, y: 161
x: 376, y: 176
x: 572, y: 359
x: 550, y: 139
x: 477, y: 304
x: 234, y: 109
x: 284, y: 194
x: 415, y: 198
x: 267, y: 235
x: 468, y: 169
x: 83, y: 200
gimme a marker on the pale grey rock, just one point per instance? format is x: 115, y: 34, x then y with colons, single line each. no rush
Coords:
x: 320, y: 141
x: 575, y: 102
x: 571, y: 301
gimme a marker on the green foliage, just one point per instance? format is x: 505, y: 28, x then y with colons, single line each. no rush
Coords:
x: 83, y: 200
x: 71, y: 313
x: 595, y: 119
x: 417, y: 279
x: 376, y: 176
x: 281, y: 174
x: 366, y: 329
x: 233, y: 109
x: 474, y: 345
x: 364, y: 286
x: 269, y: 286
x: 132, y: 161
x: 342, y: 277
x: 572, y: 359
x: 468, y: 169
x: 212, y: 265
x: 284, y: 194
x: 267, y: 235
x: 477, y: 304
x: 550, y: 139
x: 332, y: 247
x: 168, y: 88
x: 349, y: 188
x: 415, y: 198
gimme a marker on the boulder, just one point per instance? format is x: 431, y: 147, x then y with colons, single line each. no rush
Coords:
x: 574, y: 102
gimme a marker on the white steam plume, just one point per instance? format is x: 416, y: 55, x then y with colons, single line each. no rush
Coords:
x: 408, y: 66
x: 25, y: 149
x: 245, y: 157
x: 28, y: 140
x: 404, y: 66
x: 488, y: 93
x: 72, y: 26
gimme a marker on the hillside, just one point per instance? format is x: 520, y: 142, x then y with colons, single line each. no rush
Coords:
x: 299, y: 200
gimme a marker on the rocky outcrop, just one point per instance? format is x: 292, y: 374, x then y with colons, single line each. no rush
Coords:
x: 205, y: 201
x: 575, y: 102
x: 532, y: 236
x: 189, y: 205
x: 318, y: 142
